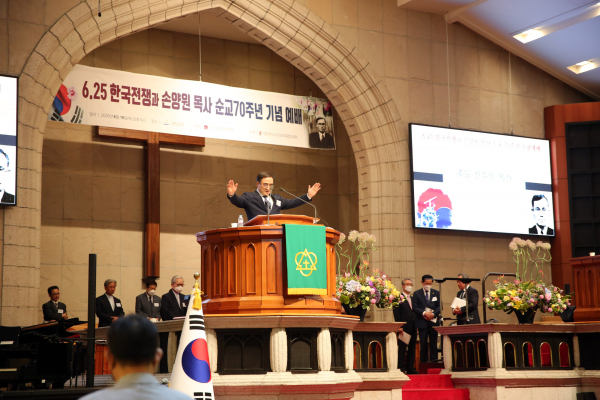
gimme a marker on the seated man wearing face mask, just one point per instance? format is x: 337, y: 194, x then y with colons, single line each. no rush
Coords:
x: 147, y: 304
x: 173, y: 302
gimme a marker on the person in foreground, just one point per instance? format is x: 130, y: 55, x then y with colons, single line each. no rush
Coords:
x: 465, y: 291
x: 133, y: 353
x: 426, y: 306
x: 262, y: 201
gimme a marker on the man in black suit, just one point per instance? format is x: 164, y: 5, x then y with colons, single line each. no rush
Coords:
x: 262, y: 201
x: 426, y: 306
x: 404, y: 313
x: 54, y: 310
x: 173, y: 303
x: 108, y: 307
x: 147, y: 304
x: 5, y: 197
x: 540, y: 206
x: 321, y: 139
x: 472, y: 297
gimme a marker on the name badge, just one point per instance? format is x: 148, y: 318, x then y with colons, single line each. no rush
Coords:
x: 278, y: 203
x: 60, y: 311
x: 185, y: 305
x: 118, y: 304
x: 155, y: 304
x: 434, y: 299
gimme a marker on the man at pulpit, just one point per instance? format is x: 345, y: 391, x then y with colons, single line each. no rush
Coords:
x: 263, y: 201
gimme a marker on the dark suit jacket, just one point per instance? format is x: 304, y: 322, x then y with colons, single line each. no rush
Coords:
x: 253, y: 203
x: 419, y: 305
x: 315, y: 143
x: 51, y: 312
x: 403, y: 313
x: 104, y: 311
x: 145, y: 308
x: 472, y: 303
x: 7, y: 198
x: 533, y: 231
x: 169, y: 308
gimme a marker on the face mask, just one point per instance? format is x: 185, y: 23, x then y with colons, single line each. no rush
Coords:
x: 178, y: 289
x: 151, y: 292
x: 427, y: 287
x: 408, y: 289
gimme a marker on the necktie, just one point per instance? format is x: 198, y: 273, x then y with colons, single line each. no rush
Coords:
x: 427, y: 295
x: 462, y: 295
x: 149, y: 298
x: 267, y: 202
x: 409, y: 301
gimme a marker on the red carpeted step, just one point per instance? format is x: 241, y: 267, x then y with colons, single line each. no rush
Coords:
x: 429, y: 382
x: 434, y: 371
x: 435, y: 394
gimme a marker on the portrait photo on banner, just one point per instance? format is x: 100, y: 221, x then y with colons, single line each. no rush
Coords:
x: 317, y: 116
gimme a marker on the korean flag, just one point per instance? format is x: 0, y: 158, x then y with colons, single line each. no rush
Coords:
x: 191, y: 372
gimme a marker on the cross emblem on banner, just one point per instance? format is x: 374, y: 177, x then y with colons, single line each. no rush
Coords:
x: 202, y: 396
x: 153, y: 141
x: 306, y: 258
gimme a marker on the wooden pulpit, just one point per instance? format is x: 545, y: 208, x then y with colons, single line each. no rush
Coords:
x: 244, y: 270
x: 586, y: 279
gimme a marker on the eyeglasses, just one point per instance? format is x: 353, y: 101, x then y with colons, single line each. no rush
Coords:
x: 267, y: 185
x: 538, y: 209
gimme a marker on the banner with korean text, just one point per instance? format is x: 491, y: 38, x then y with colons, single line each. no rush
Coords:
x: 102, y: 97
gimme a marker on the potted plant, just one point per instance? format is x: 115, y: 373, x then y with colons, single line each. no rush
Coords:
x: 527, y: 293
x: 356, y: 290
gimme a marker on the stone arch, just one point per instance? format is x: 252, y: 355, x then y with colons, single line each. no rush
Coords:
x: 285, y: 26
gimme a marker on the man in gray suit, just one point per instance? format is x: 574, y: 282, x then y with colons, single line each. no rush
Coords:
x: 147, y: 304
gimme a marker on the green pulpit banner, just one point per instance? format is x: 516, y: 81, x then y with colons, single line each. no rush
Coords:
x: 306, y: 259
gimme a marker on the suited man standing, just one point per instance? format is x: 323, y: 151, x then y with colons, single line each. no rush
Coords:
x: 54, y: 310
x: 426, y: 306
x: 108, y: 307
x: 173, y: 303
x: 262, y: 201
x: 147, y: 304
x: 404, y: 313
x: 472, y: 297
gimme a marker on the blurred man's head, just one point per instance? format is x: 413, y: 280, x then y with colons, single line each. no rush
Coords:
x: 264, y: 183
x: 321, y: 125
x: 54, y: 293
x: 461, y: 284
x: 151, y: 287
x: 407, y: 285
x: 540, y: 207
x: 177, y: 283
x: 110, y: 285
x: 427, y: 281
x: 133, y: 346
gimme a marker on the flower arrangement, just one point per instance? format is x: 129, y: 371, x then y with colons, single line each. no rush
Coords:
x: 526, y: 294
x: 366, y: 291
x: 354, y: 286
x: 356, y: 251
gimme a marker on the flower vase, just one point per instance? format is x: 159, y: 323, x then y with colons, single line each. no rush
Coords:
x: 526, y: 317
x: 358, y: 311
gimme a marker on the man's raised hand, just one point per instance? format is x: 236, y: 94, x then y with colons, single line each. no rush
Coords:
x: 313, y: 190
x: 231, y: 188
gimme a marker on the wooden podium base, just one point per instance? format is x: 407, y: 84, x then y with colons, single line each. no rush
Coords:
x: 244, y: 270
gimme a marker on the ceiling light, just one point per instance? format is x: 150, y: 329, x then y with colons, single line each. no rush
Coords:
x: 557, y: 23
x: 529, y: 35
x: 584, y: 66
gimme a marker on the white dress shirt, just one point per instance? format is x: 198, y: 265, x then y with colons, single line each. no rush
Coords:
x: 111, y: 300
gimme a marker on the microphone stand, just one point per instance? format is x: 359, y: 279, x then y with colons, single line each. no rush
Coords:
x: 312, y: 205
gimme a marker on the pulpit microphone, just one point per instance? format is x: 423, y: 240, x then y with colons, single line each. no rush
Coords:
x: 312, y: 205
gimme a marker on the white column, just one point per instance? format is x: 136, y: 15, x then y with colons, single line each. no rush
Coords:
x: 576, y: 355
x: 279, y: 351
x: 447, y: 343
x: 495, y: 349
x: 324, y: 349
x: 349, y: 350
x: 213, y: 349
x: 391, y: 346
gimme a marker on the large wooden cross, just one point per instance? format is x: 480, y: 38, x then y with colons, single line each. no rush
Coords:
x: 153, y: 141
